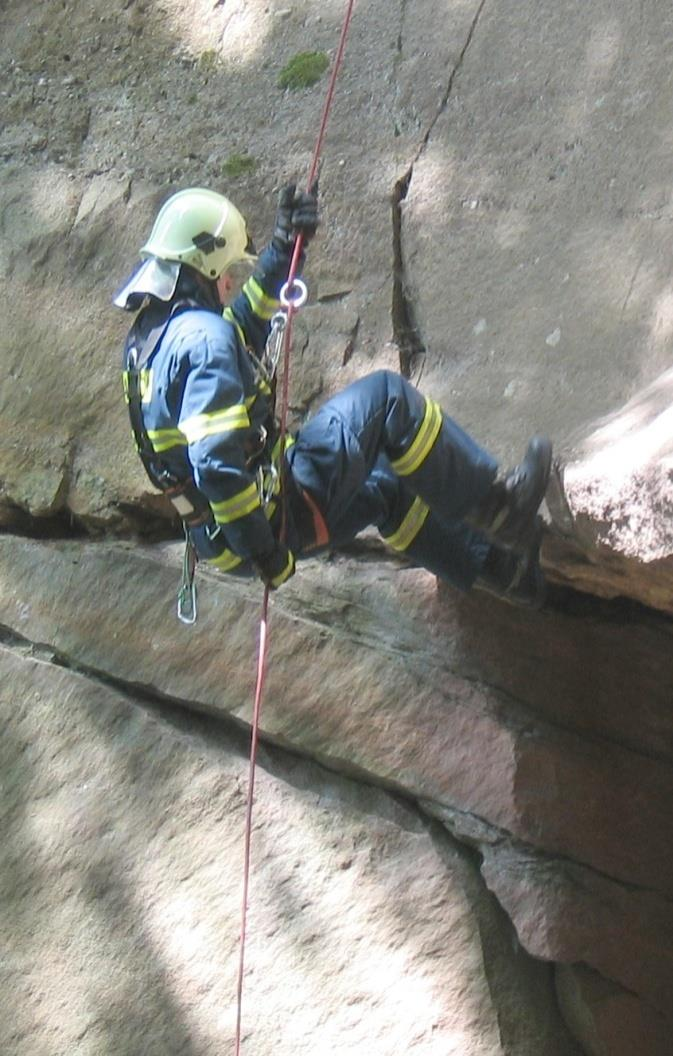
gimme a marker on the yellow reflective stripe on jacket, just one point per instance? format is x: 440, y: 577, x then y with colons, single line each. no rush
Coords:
x: 239, y: 506
x: 231, y: 318
x: 225, y: 561
x: 260, y: 302
x: 410, y: 526
x: 286, y: 573
x: 215, y: 422
x: 423, y: 441
x: 165, y: 439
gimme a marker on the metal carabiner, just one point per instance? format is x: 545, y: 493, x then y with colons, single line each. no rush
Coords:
x: 267, y: 481
x: 274, y: 345
x: 187, y: 604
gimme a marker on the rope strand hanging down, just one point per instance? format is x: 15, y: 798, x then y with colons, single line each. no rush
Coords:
x: 263, y: 627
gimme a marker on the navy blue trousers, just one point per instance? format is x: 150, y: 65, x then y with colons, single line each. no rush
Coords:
x: 379, y: 453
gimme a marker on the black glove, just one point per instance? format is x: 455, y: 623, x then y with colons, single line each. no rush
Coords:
x: 275, y: 567
x: 297, y: 213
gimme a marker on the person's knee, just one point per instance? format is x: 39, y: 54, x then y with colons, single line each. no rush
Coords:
x: 386, y: 382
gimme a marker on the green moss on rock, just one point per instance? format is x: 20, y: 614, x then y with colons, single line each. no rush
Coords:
x: 238, y: 165
x: 303, y: 70
x: 208, y: 61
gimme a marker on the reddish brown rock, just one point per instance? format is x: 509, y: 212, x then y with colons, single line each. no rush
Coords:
x: 608, y: 1020
x: 567, y: 914
x: 395, y: 698
x: 120, y: 879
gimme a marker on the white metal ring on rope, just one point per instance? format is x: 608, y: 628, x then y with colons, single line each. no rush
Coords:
x: 298, y: 299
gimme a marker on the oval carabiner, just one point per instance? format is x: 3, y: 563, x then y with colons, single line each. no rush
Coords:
x: 298, y: 299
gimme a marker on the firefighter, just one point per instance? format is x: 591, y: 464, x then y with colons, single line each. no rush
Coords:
x: 200, y: 396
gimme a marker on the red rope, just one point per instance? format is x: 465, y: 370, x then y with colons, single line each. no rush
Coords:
x: 261, y: 665
x: 263, y: 628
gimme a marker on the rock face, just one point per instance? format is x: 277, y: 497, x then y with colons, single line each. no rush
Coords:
x: 496, y: 214
x: 568, y: 805
x: 120, y: 885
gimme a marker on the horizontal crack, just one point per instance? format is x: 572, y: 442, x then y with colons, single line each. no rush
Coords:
x: 474, y: 831
x: 62, y: 525
x: 127, y: 521
x: 212, y: 727
x: 232, y: 733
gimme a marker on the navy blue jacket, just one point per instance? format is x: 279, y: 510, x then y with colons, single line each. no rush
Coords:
x: 204, y: 401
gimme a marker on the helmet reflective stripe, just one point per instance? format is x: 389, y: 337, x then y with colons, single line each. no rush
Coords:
x: 200, y: 228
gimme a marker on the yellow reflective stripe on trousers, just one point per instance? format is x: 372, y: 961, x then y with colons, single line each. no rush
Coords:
x: 165, y: 439
x: 225, y: 561
x: 215, y: 422
x: 239, y: 506
x: 260, y: 302
x: 286, y: 573
x: 231, y: 318
x: 423, y: 441
x: 410, y: 526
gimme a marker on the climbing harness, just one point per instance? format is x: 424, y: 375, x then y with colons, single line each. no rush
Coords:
x: 186, y: 499
x: 293, y: 297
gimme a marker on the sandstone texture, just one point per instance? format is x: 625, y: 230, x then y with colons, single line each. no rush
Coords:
x: 120, y: 883
x: 569, y: 805
x: 465, y: 811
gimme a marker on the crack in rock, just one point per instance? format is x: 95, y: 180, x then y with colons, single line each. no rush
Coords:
x: 468, y: 828
x: 406, y: 332
x: 452, y: 77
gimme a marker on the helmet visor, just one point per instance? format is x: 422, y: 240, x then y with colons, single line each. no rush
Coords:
x: 152, y: 277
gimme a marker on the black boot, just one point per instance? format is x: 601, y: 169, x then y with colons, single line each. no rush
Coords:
x: 508, y: 514
x: 517, y: 578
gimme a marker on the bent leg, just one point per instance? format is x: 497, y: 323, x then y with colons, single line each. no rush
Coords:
x: 450, y: 550
x: 335, y: 452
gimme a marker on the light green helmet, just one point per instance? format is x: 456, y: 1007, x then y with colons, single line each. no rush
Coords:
x: 200, y: 228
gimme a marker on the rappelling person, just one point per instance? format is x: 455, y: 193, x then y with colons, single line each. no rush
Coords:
x: 200, y: 390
